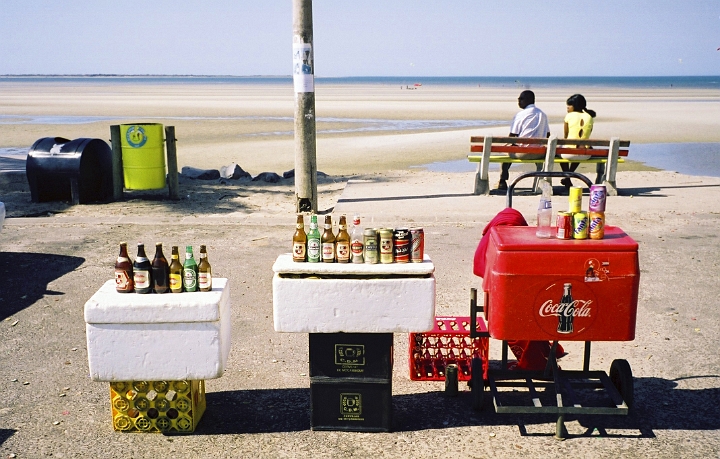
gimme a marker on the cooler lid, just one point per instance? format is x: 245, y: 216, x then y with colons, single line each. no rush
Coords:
x: 523, y: 239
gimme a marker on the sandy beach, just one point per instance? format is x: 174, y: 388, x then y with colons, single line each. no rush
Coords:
x: 55, y: 256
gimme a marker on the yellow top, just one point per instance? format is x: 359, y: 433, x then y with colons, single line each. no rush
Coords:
x: 580, y: 125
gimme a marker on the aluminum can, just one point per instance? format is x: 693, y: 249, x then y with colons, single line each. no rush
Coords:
x: 575, y: 199
x: 596, y: 225
x: 564, y: 225
x: 417, y: 245
x: 598, y: 196
x: 386, y: 245
x: 401, y: 246
x: 580, y: 225
x: 370, y: 251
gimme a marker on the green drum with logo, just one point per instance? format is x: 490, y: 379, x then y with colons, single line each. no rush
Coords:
x: 143, y: 156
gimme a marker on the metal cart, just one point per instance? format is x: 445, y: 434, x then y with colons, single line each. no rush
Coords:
x: 615, y: 388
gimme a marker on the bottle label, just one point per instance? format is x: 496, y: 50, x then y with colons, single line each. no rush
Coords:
x: 175, y: 281
x: 122, y: 280
x: 190, y: 279
x: 141, y: 278
x: 299, y: 226
x: 298, y: 251
x: 357, y: 247
x: 343, y: 251
x: 205, y: 280
x: 328, y: 250
x: 313, y: 249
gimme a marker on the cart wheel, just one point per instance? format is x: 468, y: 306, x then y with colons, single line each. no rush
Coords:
x: 622, y: 379
x: 477, y: 388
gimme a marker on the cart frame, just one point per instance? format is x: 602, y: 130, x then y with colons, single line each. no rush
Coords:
x: 618, y: 384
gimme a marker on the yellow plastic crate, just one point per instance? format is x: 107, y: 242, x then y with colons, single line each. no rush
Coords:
x: 157, y: 406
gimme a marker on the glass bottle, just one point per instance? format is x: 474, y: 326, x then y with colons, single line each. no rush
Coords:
x: 299, y: 240
x: 328, y: 242
x: 123, y: 271
x: 176, y: 271
x: 190, y: 271
x: 314, y: 252
x: 204, y: 271
x: 342, y: 242
x: 142, y: 271
x: 356, y: 241
x: 544, y: 214
x: 160, y: 270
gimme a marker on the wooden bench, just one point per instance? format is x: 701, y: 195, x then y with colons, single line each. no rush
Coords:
x: 606, y: 153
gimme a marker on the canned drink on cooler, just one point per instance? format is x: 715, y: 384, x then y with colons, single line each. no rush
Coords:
x: 370, y: 251
x: 580, y: 225
x: 596, y: 225
x: 386, y: 245
x: 564, y: 225
x: 401, y: 248
x: 575, y: 199
x: 417, y: 245
x: 598, y: 196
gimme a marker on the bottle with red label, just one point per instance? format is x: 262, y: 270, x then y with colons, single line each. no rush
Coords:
x: 356, y: 241
x: 142, y: 271
x: 123, y: 271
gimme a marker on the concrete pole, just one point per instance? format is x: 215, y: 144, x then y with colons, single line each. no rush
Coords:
x: 304, y: 84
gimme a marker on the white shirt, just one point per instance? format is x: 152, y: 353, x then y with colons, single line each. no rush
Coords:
x: 530, y: 122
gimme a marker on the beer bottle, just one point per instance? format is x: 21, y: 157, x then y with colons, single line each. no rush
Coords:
x: 160, y: 270
x: 176, y: 271
x: 190, y: 271
x: 328, y: 241
x: 299, y: 240
x: 142, y: 271
x: 342, y: 242
x: 123, y: 271
x: 314, y: 252
x: 356, y: 241
x: 204, y: 271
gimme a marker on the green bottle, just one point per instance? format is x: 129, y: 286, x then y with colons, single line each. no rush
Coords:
x: 314, y: 253
x: 190, y: 271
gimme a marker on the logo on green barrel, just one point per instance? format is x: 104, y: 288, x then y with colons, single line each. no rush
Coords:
x: 136, y: 136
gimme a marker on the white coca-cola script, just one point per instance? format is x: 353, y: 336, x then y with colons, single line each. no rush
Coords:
x: 578, y: 308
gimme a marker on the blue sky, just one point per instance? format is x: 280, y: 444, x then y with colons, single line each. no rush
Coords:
x: 363, y: 37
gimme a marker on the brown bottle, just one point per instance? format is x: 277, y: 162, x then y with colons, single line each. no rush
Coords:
x: 327, y: 242
x: 204, y: 271
x: 299, y: 240
x: 123, y: 271
x: 160, y: 270
x: 142, y: 271
x: 342, y: 242
x: 176, y: 272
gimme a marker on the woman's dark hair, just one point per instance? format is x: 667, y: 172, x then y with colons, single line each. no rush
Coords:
x: 579, y: 104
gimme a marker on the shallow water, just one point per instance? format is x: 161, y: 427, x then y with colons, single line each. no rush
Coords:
x: 685, y: 158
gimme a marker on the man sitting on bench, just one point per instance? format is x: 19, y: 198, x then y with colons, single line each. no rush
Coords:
x: 530, y: 121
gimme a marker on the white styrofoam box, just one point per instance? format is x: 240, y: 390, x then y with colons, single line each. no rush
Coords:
x: 152, y: 337
x: 389, y: 298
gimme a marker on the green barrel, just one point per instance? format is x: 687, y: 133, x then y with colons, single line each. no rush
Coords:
x: 143, y: 156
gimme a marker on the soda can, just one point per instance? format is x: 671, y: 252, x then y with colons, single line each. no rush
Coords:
x: 564, y: 225
x: 580, y: 225
x: 596, y: 225
x: 575, y: 199
x: 386, y: 245
x: 370, y: 251
x: 401, y: 248
x: 598, y: 196
x: 417, y: 245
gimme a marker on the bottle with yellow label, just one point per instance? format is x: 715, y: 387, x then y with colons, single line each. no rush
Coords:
x: 176, y: 272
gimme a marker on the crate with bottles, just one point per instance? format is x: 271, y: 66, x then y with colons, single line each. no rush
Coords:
x: 368, y: 245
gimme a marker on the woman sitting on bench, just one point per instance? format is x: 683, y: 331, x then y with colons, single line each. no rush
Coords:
x: 578, y: 125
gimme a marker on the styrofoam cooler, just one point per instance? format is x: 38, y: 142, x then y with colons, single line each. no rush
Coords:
x: 525, y: 281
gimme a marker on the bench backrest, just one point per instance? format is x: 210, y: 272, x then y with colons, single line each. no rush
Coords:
x: 537, y: 145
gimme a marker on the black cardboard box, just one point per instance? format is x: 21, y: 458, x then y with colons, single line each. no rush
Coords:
x: 351, y: 355
x: 350, y: 404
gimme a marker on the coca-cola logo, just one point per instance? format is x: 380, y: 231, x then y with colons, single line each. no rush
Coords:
x: 565, y: 308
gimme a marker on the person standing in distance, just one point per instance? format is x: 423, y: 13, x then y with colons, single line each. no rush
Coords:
x: 578, y: 125
x: 530, y: 121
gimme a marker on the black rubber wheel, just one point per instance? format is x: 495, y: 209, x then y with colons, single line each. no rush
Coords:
x: 622, y: 378
x: 477, y: 386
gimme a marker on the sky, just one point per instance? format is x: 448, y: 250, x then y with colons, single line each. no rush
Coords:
x: 363, y: 37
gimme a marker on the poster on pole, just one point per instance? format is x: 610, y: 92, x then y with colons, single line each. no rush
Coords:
x: 303, y: 78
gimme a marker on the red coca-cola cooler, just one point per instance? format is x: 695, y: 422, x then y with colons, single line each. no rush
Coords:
x: 553, y: 289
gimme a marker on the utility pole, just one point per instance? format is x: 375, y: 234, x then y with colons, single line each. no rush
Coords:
x: 304, y: 84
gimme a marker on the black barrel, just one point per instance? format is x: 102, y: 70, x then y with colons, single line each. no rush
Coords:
x: 79, y: 171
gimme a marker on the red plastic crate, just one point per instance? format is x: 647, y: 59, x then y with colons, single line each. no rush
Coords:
x: 448, y: 342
